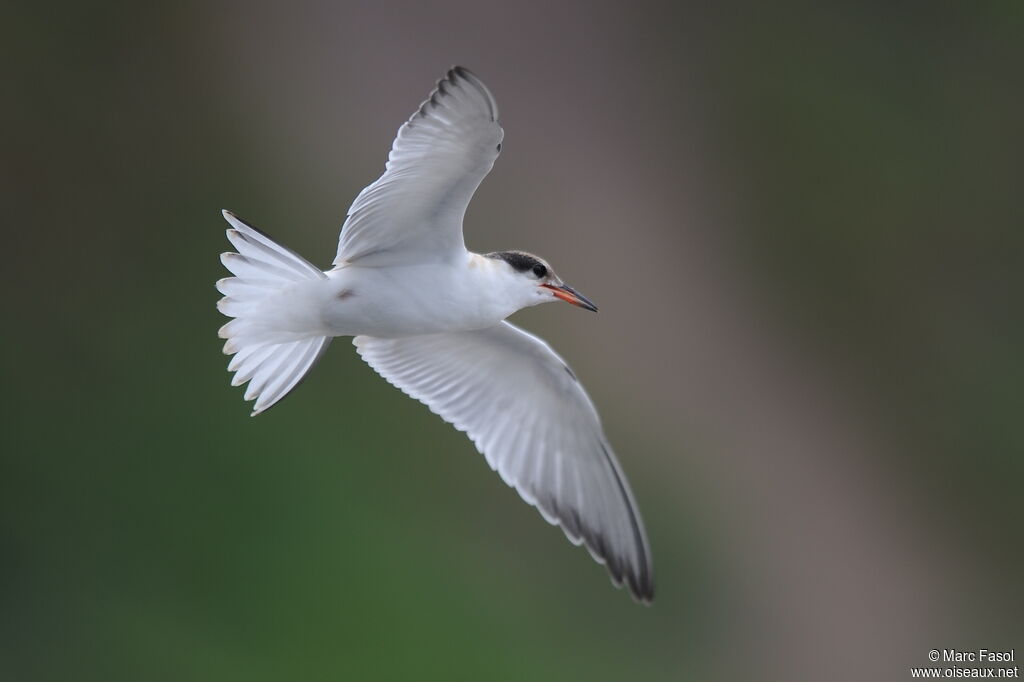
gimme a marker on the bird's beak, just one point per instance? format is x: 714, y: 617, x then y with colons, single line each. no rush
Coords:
x: 570, y: 295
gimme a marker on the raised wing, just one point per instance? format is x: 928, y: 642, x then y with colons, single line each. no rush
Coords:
x: 413, y: 213
x: 526, y: 412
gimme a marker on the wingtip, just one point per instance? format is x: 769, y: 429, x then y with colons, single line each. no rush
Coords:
x: 639, y: 586
x: 644, y: 593
x: 458, y: 72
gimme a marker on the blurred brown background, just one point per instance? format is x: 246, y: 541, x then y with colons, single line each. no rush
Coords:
x: 802, y: 224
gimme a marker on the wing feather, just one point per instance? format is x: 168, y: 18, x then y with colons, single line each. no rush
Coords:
x: 535, y: 425
x: 414, y: 211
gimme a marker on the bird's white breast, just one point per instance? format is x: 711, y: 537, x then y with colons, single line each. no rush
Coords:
x: 408, y: 300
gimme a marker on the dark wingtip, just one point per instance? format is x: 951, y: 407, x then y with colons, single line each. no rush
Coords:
x: 462, y: 73
x: 639, y: 583
x: 644, y: 592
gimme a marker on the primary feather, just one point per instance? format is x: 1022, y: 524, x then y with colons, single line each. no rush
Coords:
x: 527, y: 414
x: 428, y: 316
x: 414, y: 211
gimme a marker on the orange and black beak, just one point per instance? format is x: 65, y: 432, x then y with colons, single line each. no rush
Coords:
x: 570, y: 295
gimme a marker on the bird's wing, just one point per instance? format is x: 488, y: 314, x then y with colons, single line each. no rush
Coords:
x: 413, y: 213
x: 528, y: 414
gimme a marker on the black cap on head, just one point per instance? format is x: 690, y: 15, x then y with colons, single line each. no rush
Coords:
x: 519, y: 260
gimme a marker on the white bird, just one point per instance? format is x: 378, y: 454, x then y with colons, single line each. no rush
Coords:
x: 429, y: 316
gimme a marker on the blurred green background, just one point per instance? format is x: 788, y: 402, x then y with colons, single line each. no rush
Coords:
x: 802, y: 224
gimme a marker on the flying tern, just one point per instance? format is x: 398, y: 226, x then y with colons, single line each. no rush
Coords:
x: 429, y: 316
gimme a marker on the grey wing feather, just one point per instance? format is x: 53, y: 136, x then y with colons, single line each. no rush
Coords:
x: 414, y: 211
x: 535, y: 425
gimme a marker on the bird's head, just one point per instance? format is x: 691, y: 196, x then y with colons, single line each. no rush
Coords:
x: 531, y: 281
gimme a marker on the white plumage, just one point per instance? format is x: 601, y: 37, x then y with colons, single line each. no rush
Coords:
x: 439, y: 157
x: 428, y: 316
x: 529, y: 416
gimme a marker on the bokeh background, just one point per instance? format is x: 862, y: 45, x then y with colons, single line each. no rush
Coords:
x: 803, y: 225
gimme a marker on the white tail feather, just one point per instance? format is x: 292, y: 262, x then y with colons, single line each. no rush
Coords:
x: 273, y: 360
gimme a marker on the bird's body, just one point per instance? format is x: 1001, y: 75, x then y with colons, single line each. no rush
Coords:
x: 428, y: 315
x: 407, y: 300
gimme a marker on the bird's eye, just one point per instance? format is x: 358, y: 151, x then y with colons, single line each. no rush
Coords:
x: 539, y: 270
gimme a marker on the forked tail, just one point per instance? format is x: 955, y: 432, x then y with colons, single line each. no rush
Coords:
x: 272, y: 358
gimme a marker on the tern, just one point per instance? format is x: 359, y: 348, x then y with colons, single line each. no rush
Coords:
x: 429, y: 316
